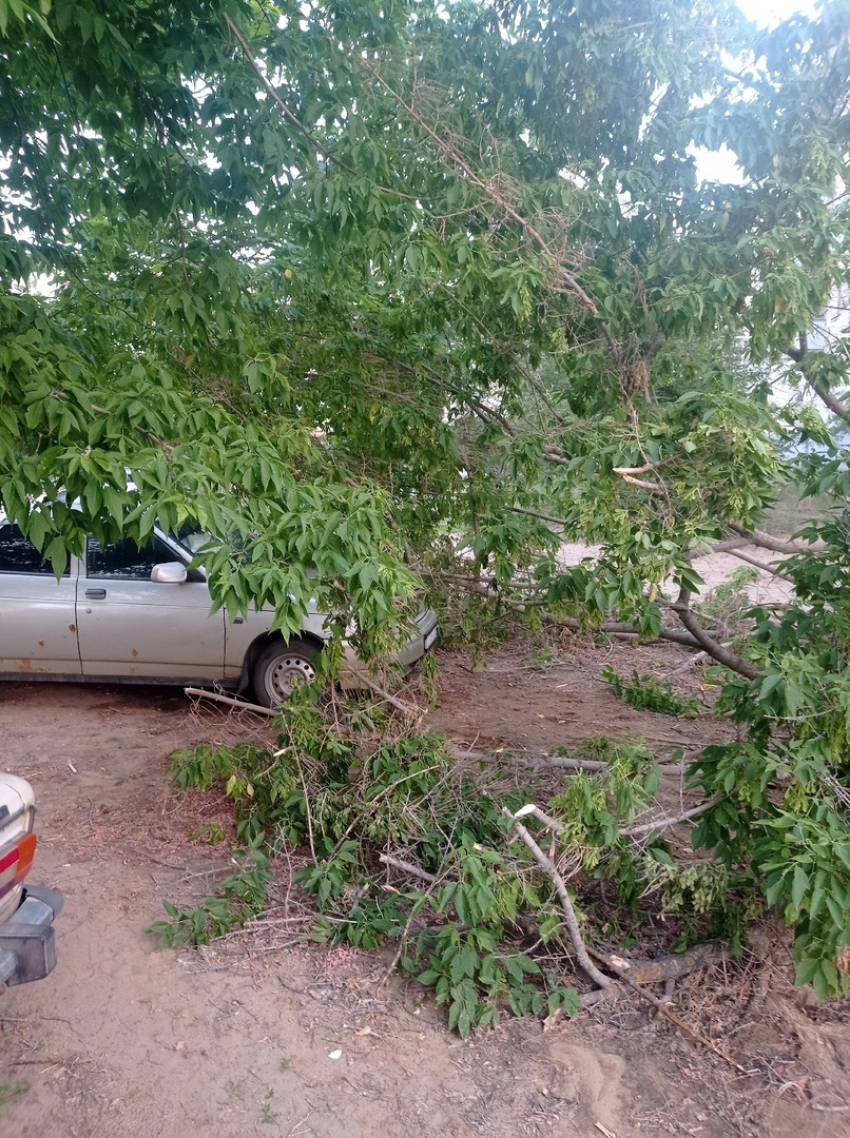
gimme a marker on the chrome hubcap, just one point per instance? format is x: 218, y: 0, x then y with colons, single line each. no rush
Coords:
x: 288, y: 673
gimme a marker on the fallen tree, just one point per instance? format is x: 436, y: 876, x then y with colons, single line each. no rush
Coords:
x: 333, y: 285
x: 409, y: 844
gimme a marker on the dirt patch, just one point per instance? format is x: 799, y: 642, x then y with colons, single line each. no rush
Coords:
x: 511, y: 699
x: 241, y: 1038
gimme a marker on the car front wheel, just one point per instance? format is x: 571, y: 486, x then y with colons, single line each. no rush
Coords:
x: 281, y: 668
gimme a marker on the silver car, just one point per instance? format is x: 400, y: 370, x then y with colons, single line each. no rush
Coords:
x: 143, y: 616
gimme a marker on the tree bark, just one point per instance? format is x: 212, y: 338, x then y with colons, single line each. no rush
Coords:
x: 768, y: 541
x: 622, y: 628
x: 713, y: 647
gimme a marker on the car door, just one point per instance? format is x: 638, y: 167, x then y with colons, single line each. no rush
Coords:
x: 131, y: 626
x: 38, y: 622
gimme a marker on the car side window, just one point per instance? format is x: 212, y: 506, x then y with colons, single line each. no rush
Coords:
x: 19, y: 555
x: 123, y: 560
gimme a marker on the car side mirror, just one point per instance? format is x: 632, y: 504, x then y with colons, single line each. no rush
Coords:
x: 169, y: 573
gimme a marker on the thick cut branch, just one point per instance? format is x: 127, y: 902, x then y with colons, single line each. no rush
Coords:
x: 835, y: 405
x: 645, y: 828
x: 622, y: 628
x: 692, y: 662
x: 534, y: 761
x: 663, y: 970
x: 776, y: 544
x: 558, y: 762
x: 713, y: 647
x: 408, y: 708
x: 619, y: 628
x: 718, y: 547
x: 641, y: 482
x: 363, y: 677
x: 535, y: 812
x: 647, y: 466
x: 624, y: 970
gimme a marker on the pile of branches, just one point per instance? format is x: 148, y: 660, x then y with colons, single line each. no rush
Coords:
x: 491, y: 879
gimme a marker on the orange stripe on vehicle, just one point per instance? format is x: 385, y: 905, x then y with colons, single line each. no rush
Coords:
x: 22, y: 854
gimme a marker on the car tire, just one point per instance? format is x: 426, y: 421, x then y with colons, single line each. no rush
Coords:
x: 281, y: 667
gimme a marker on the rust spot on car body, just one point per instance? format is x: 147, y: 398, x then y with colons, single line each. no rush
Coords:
x: 27, y: 666
x: 134, y: 653
x: 41, y: 643
x: 72, y: 628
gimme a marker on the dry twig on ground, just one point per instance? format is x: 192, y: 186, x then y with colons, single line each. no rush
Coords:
x: 241, y: 704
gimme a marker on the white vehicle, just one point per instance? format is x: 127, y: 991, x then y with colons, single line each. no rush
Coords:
x: 130, y: 615
x: 27, y: 947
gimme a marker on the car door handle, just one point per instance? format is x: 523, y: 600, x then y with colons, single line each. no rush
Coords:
x: 98, y: 594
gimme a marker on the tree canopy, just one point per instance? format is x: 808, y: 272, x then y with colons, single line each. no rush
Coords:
x: 333, y: 279
x: 408, y: 265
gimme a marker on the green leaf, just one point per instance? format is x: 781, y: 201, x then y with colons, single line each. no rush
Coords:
x: 799, y: 885
x: 775, y: 888
x: 769, y: 684
x: 805, y: 970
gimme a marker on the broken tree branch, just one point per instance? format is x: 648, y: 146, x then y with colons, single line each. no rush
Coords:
x: 664, y: 822
x: 633, y: 975
x: 835, y: 405
x: 535, y: 761
x: 623, y: 969
x: 762, y: 565
x: 717, y: 547
x: 661, y: 970
x: 538, y: 762
x: 617, y: 628
x: 327, y: 154
x: 622, y: 629
x: 530, y: 810
x: 641, y: 482
x: 768, y: 541
x: 566, y: 281
x: 241, y: 704
x: 713, y: 647
x: 536, y: 514
x: 570, y: 918
x: 692, y: 662
x: 408, y: 708
x: 647, y: 466
x: 798, y: 355
x: 408, y: 867
x: 534, y: 811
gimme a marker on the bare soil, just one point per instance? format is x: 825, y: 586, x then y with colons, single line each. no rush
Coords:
x: 123, y: 1041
